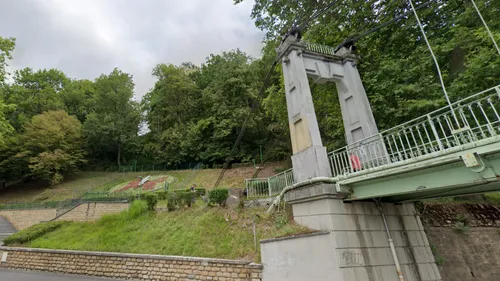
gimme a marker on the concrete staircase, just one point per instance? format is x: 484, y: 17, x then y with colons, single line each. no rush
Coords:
x: 6, y: 229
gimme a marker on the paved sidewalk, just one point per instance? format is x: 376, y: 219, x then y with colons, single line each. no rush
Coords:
x: 11, y: 275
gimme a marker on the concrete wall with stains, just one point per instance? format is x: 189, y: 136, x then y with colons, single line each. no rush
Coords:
x: 298, y: 258
x: 356, y: 248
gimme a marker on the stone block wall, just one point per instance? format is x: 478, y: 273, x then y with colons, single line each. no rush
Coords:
x: 129, y: 266
x: 22, y: 219
x: 93, y: 211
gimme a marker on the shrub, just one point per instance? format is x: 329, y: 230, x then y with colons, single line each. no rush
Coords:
x: 173, y: 201
x: 439, y: 260
x: 280, y: 220
x: 187, y: 198
x: 33, y: 232
x: 162, y: 195
x: 460, y: 227
x: 200, y: 191
x: 131, y: 198
x: 463, y: 219
x: 138, y: 208
x: 218, y: 196
x: 151, y: 200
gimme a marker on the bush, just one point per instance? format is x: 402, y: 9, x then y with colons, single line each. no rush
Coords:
x: 131, y: 198
x: 173, y: 201
x: 33, y: 232
x: 200, y: 191
x: 162, y: 195
x: 138, y: 208
x: 151, y: 200
x: 218, y: 196
x: 463, y: 219
x: 460, y: 227
x: 187, y: 198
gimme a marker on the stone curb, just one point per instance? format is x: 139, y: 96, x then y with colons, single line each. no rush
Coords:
x: 127, y: 255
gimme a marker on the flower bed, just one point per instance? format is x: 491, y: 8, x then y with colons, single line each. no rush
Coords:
x: 149, y: 185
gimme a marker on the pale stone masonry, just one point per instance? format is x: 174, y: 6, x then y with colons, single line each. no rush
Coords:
x: 129, y: 266
x: 92, y: 211
x: 22, y: 219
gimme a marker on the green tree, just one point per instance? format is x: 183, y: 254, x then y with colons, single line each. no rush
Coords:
x: 52, y: 145
x: 7, y: 46
x: 34, y: 92
x: 172, y: 107
x: 111, y: 129
x: 78, y: 98
x: 5, y: 127
x: 230, y: 85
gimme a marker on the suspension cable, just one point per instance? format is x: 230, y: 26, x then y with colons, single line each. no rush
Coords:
x: 255, y: 105
x: 486, y: 26
x: 317, y: 14
x: 354, y: 39
x: 436, y: 63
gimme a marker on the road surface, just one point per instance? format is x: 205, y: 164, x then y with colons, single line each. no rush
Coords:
x: 11, y: 275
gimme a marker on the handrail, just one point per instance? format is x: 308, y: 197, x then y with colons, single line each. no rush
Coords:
x: 431, y: 133
x: 268, y: 187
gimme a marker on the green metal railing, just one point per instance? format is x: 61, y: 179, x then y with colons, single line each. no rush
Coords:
x: 317, y: 48
x: 268, y: 187
x: 429, y: 135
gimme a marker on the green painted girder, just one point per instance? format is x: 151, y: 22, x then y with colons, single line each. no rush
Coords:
x: 446, y: 174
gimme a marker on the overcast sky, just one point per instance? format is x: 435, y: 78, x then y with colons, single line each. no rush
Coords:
x: 85, y: 38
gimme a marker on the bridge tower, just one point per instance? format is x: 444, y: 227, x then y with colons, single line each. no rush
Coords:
x: 360, y: 241
x: 322, y: 64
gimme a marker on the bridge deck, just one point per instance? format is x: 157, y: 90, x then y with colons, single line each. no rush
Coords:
x: 451, y: 151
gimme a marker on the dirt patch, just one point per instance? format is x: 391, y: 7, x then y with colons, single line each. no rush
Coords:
x: 150, y: 185
x: 131, y: 185
x: 477, y: 215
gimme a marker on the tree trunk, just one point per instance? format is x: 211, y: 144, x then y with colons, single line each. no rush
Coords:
x: 119, y: 155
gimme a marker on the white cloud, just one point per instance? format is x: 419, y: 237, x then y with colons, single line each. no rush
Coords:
x: 85, y: 38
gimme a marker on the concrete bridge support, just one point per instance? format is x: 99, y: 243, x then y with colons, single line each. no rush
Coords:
x: 353, y: 244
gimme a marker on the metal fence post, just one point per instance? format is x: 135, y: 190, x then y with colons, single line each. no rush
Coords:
x: 269, y: 187
x: 434, y: 131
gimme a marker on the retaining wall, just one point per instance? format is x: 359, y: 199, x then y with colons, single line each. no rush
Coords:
x: 93, y: 211
x: 22, y: 219
x: 129, y: 266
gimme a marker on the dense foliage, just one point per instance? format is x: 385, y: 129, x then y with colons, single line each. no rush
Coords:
x: 218, y: 196
x: 194, y: 113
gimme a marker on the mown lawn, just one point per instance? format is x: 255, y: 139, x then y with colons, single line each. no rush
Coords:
x: 200, y: 231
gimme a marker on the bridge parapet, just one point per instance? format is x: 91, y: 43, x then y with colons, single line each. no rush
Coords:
x: 436, y: 133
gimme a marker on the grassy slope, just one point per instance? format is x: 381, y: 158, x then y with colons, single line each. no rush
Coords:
x: 200, y: 231
x: 102, y: 181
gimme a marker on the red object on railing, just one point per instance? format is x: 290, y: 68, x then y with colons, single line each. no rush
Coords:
x: 355, y: 163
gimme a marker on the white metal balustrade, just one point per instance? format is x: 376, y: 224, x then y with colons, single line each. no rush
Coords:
x: 268, y: 187
x: 472, y: 119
